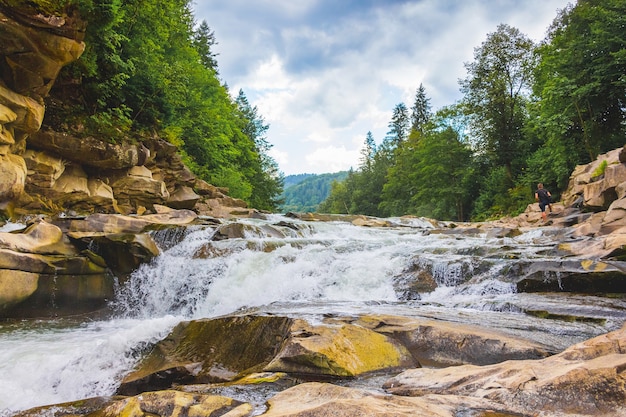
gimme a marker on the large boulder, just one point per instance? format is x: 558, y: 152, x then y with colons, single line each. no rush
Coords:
x: 40, y: 237
x: 438, y: 343
x: 138, y: 188
x: 25, y: 114
x: 210, y: 350
x: 585, y: 379
x: 16, y: 286
x: 43, y: 274
x: 183, y: 198
x: 218, y: 350
x: 149, y: 404
x: 315, y: 399
x: 338, y: 350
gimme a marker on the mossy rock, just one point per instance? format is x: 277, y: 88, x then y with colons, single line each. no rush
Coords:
x: 209, y: 351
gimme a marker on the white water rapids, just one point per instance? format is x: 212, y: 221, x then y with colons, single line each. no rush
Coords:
x: 319, y: 268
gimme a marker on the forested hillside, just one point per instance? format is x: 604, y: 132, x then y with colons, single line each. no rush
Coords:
x: 304, y: 192
x: 290, y: 180
x: 149, y: 72
x: 530, y: 113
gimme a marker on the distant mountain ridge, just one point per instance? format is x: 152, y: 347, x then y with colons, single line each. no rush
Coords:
x: 305, y: 192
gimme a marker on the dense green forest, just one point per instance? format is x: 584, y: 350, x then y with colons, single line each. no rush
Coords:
x: 529, y: 113
x: 148, y: 72
x: 305, y: 192
x: 290, y: 180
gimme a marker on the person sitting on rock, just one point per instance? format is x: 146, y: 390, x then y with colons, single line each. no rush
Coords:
x: 544, y: 198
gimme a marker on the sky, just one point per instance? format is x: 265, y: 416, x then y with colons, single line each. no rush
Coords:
x: 322, y: 73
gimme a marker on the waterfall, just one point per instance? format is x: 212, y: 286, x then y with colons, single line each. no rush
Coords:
x: 202, y: 277
x: 282, y: 266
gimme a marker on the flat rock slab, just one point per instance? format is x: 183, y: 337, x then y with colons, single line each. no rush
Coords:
x: 588, y: 378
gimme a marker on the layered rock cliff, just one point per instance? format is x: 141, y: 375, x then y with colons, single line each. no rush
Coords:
x: 33, y: 49
x: 43, y: 171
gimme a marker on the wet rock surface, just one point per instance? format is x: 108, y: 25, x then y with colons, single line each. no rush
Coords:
x: 586, y: 379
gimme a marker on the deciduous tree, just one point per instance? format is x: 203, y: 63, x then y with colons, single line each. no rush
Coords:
x: 495, y: 91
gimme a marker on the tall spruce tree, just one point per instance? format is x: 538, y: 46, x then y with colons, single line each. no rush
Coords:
x: 420, y: 112
x: 399, y: 126
x: 267, y: 181
x: 203, y: 41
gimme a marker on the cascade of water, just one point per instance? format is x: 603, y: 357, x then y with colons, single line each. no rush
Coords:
x: 202, y: 277
x: 279, y: 265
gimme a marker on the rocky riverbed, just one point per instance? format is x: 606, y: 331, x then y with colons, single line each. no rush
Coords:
x: 128, y: 287
x: 319, y: 315
x: 316, y: 315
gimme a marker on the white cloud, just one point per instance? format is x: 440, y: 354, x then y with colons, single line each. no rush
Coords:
x: 325, y: 72
x: 337, y: 158
x: 282, y: 158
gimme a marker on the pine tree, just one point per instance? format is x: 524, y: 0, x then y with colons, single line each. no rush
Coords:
x: 203, y: 41
x: 368, y: 152
x: 398, y: 126
x: 420, y: 112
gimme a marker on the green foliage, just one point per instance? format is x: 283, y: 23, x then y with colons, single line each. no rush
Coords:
x: 291, y: 180
x: 580, y: 78
x: 433, y: 173
x: 485, y: 155
x: 309, y: 191
x: 599, y: 171
x: 494, y: 95
x: 45, y: 7
x: 147, y: 72
x: 339, y: 199
x: 112, y: 123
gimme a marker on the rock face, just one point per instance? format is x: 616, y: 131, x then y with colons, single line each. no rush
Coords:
x: 586, y: 379
x: 33, y: 51
x: 218, y: 350
x: 42, y: 171
x: 88, y: 175
x: 41, y: 271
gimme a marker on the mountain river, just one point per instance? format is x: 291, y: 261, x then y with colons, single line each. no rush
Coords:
x: 300, y: 269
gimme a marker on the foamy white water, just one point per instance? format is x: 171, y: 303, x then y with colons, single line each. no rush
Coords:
x: 318, y: 268
x: 46, y: 365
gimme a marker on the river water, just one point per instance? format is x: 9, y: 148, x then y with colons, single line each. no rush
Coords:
x: 285, y: 266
